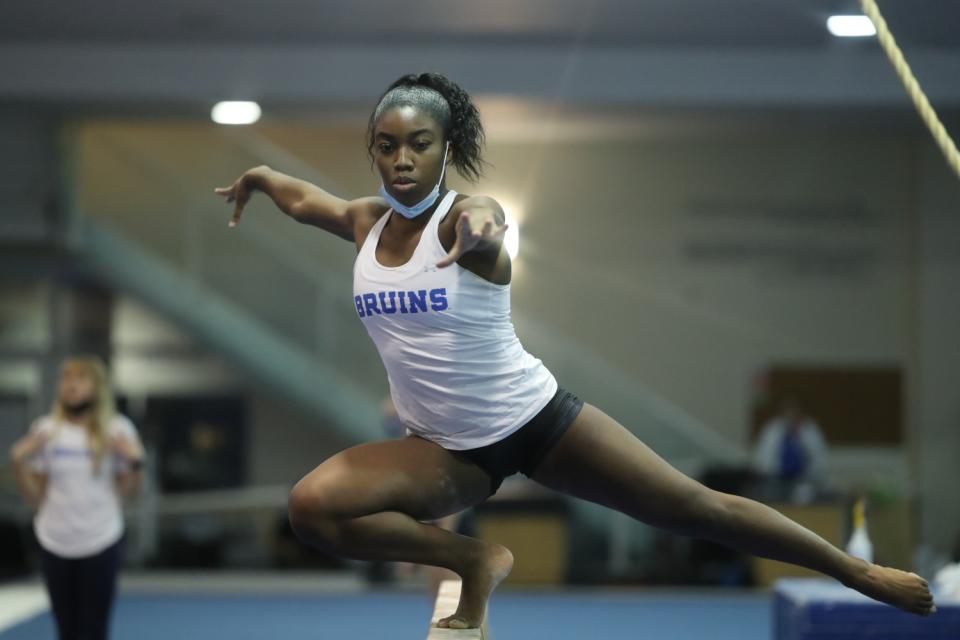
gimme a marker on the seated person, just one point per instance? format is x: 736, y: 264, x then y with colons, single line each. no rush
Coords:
x: 791, y: 448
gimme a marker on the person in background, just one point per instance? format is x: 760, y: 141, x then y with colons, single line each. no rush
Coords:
x: 791, y: 449
x: 75, y: 465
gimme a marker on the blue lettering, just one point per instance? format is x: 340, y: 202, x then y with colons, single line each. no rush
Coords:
x: 438, y: 299
x: 393, y: 301
x: 418, y: 299
x: 370, y: 300
x: 409, y: 302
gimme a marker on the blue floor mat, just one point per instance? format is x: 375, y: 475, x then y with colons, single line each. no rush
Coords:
x: 392, y: 616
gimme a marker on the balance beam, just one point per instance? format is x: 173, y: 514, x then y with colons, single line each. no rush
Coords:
x: 447, y: 600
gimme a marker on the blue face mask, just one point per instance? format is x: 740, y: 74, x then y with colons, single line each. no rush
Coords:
x: 423, y: 205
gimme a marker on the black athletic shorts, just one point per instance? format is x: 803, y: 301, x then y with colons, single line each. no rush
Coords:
x: 524, y: 449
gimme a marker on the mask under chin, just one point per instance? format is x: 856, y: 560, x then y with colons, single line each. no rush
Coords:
x: 78, y: 407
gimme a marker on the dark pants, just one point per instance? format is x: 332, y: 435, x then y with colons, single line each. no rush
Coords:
x: 81, y: 591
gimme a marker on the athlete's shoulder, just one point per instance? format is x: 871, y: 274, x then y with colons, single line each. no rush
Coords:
x: 369, y: 209
x: 466, y: 202
x: 364, y: 213
x: 473, y: 203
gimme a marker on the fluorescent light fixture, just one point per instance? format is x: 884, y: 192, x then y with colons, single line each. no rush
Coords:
x: 851, y: 26
x: 235, y: 112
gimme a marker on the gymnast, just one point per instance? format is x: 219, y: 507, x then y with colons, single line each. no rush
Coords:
x: 431, y: 286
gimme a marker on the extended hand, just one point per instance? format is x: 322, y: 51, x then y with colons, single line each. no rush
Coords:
x: 470, y: 234
x: 239, y: 193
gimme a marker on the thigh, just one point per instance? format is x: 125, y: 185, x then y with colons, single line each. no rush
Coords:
x: 61, y: 578
x: 98, y: 580
x: 599, y: 460
x: 410, y: 475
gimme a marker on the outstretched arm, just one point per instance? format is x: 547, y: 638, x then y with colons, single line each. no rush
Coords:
x: 299, y: 199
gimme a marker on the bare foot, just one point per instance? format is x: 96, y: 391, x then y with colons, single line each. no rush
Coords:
x: 903, y: 590
x: 479, y: 581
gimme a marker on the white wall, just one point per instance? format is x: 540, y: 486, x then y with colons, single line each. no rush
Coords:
x: 153, y: 357
x: 284, y: 444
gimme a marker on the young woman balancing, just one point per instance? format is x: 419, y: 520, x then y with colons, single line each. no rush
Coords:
x: 432, y: 288
x: 75, y: 465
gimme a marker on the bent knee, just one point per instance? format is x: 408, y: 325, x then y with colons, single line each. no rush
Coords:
x: 312, y: 514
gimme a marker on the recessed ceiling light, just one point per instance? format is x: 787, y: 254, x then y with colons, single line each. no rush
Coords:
x: 235, y: 112
x: 851, y: 26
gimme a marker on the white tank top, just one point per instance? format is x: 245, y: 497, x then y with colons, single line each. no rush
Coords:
x: 457, y: 371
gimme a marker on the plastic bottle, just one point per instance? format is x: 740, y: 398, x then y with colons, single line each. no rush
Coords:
x: 859, y: 545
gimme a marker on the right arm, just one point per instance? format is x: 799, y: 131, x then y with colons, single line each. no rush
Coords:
x: 302, y: 201
x: 32, y: 485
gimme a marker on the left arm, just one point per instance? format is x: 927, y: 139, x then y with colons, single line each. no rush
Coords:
x: 480, y: 225
x: 127, y: 447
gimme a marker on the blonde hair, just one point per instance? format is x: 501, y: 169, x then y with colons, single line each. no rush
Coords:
x: 104, y: 405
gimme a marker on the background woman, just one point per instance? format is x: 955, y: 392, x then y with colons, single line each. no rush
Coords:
x: 75, y: 465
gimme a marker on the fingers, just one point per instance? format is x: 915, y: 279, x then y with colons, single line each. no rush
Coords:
x: 452, y: 257
x: 227, y: 192
x: 235, y: 219
x: 240, y: 197
x: 237, y: 194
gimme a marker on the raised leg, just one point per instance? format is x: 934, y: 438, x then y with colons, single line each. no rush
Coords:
x: 597, y: 459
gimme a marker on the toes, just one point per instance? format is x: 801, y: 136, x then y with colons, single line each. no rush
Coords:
x: 453, y: 622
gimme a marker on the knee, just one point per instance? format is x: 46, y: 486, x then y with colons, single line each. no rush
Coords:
x: 716, y: 510
x: 700, y: 514
x: 312, y: 515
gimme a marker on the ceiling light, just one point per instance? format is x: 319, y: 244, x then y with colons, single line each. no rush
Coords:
x: 235, y: 112
x: 851, y: 26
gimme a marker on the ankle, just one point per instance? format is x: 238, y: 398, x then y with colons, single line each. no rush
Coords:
x: 855, y: 571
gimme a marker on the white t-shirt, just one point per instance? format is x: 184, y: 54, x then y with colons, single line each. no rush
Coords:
x: 80, y: 514
x: 766, y: 456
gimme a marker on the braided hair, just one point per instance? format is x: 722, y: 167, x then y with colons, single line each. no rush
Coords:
x: 446, y: 103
